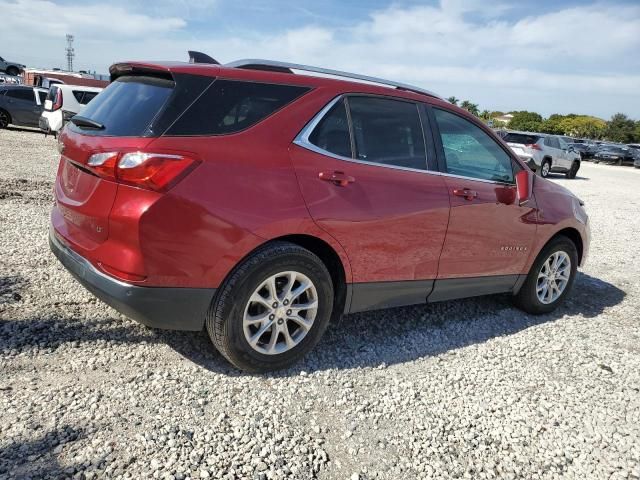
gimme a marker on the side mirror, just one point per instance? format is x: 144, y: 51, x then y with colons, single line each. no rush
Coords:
x: 524, y: 186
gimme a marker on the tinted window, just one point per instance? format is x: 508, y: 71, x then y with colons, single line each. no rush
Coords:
x: 552, y: 142
x: 522, y: 138
x: 43, y: 96
x: 84, y: 97
x: 128, y: 105
x: 332, y: 133
x: 229, y: 106
x: 470, y: 152
x: 388, y: 132
x: 21, y: 94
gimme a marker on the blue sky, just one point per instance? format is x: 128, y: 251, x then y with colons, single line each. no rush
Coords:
x: 547, y: 56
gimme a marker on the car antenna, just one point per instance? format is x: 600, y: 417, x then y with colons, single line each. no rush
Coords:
x: 199, y: 57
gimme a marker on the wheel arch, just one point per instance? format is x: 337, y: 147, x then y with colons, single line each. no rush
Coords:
x: 573, y: 235
x: 328, y: 255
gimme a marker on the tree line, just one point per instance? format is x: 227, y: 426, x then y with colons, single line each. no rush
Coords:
x: 620, y: 128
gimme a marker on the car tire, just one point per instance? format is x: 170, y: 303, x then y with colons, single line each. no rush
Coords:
x: 573, y: 171
x: 5, y: 119
x: 242, y: 326
x: 545, y: 168
x: 532, y: 297
x: 13, y: 71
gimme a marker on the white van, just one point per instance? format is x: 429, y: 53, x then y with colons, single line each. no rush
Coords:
x: 62, y: 103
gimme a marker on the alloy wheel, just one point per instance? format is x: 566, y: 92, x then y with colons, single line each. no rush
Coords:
x: 553, y: 277
x: 280, y: 313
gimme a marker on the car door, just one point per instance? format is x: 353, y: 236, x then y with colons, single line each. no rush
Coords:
x: 362, y: 168
x: 490, y: 234
x: 22, y: 106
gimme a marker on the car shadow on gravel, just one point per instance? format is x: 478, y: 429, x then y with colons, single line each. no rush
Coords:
x: 38, y: 458
x: 392, y: 336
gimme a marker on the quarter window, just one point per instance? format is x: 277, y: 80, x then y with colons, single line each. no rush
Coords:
x: 470, y: 152
x: 388, y: 132
x: 332, y: 133
x: 229, y: 106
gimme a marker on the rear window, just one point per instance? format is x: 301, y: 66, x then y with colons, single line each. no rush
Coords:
x: 522, y: 138
x: 127, y: 106
x: 229, y: 106
x: 84, y: 97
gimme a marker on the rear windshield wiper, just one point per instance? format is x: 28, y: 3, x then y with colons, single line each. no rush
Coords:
x: 84, y: 122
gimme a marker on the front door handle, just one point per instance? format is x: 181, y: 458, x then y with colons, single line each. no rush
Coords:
x: 466, y: 193
x: 337, y: 178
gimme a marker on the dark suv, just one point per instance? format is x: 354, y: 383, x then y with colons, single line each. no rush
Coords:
x: 260, y: 203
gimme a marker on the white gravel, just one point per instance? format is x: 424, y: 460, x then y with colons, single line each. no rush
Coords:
x: 468, y: 389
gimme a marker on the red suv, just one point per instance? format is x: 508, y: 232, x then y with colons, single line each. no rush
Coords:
x: 261, y: 200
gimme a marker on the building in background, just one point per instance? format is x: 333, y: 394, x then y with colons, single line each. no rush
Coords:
x: 46, y: 78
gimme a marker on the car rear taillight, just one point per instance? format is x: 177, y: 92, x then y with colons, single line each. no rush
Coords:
x: 57, y: 102
x: 533, y: 146
x: 152, y: 171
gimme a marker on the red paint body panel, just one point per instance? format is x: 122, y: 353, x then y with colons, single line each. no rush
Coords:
x: 255, y: 185
x: 490, y: 234
x: 392, y: 223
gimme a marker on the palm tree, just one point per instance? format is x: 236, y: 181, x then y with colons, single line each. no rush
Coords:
x: 453, y: 100
x: 470, y: 107
x: 486, y: 114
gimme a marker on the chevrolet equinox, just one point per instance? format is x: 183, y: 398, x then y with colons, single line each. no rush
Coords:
x: 259, y: 199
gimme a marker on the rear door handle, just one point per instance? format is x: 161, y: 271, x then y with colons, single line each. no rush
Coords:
x: 466, y: 193
x: 337, y: 178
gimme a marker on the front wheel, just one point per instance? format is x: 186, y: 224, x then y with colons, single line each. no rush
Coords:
x: 550, y: 278
x: 5, y: 119
x: 273, y: 308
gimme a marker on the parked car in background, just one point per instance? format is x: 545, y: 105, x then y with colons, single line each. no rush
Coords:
x: 617, y: 154
x: 11, y: 68
x: 10, y: 79
x: 581, y: 147
x: 62, y: 103
x: 21, y: 105
x: 544, y: 153
x: 261, y: 203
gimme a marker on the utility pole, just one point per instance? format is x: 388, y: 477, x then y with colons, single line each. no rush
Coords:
x: 70, y: 52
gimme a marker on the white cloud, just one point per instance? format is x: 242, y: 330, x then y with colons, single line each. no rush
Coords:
x: 581, y: 59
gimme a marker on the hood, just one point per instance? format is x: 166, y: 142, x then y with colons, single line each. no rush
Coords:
x: 542, y: 184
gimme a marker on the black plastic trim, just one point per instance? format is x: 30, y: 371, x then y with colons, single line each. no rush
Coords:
x: 453, y: 288
x: 157, y: 307
x: 378, y: 295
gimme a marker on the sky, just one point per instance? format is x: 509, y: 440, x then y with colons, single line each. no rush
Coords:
x: 547, y: 56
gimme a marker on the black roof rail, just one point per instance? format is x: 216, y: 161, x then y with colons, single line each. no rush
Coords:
x: 285, y: 67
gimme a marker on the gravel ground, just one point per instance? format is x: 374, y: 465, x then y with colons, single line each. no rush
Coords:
x: 466, y: 389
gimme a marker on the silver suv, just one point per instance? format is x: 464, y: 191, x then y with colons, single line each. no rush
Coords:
x: 544, y: 153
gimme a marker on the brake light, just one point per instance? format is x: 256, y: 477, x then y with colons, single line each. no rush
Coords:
x: 57, y: 102
x: 152, y: 171
x: 533, y: 146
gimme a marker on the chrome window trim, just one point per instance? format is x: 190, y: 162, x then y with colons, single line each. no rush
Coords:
x: 302, y: 140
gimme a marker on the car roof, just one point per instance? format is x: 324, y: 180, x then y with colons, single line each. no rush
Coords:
x: 274, y: 72
x: 66, y: 86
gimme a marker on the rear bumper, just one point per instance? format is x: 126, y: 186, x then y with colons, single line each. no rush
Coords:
x: 157, y: 307
x: 43, y: 123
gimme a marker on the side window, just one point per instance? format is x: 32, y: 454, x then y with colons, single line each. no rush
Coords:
x: 388, y: 132
x: 229, y: 106
x: 554, y: 142
x: 88, y: 96
x: 22, y: 94
x: 470, y: 152
x: 332, y: 133
x: 43, y: 96
x: 79, y: 95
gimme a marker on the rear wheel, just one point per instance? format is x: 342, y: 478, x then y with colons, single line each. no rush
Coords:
x: 273, y: 308
x: 573, y: 171
x: 13, y: 71
x: 5, y: 118
x: 550, y: 278
x: 545, y: 168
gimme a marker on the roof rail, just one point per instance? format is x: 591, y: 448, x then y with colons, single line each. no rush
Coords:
x: 285, y: 67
